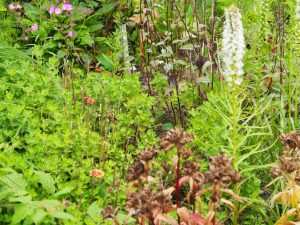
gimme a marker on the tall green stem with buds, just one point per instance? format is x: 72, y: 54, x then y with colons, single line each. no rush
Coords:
x: 232, y: 54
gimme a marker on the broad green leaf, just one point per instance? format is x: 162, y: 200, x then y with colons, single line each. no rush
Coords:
x: 63, y: 215
x: 46, y: 180
x: 65, y: 190
x: 105, y: 61
x: 168, y: 126
x: 38, y: 216
x: 105, y: 9
x: 14, y: 181
x: 21, y: 212
x: 94, y: 211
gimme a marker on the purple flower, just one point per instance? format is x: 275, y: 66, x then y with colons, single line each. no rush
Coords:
x: 57, y: 11
x: 52, y: 9
x: 67, y: 6
x: 11, y: 6
x: 34, y: 27
x: 19, y: 6
x: 70, y: 34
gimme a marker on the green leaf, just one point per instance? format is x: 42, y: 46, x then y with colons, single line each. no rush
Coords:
x: 94, y: 211
x: 105, y: 61
x: 105, y: 9
x: 60, y: 54
x: 65, y: 190
x: 63, y: 215
x: 38, y: 216
x: 46, y: 180
x: 85, y: 38
x: 167, y: 126
x: 22, y: 199
x: 21, y: 212
x: 14, y: 181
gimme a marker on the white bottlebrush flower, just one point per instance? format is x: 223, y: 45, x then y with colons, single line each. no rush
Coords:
x: 233, y: 47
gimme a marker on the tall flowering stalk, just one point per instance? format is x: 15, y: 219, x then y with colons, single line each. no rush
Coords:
x: 233, y: 50
x: 233, y: 46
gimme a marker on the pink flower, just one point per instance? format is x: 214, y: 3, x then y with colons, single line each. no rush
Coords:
x: 67, y: 6
x: 72, y: 24
x: 19, y: 6
x: 34, y: 27
x: 27, y: 30
x: 11, y: 6
x: 57, y: 11
x: 70, y: 34
x: 52, y: 9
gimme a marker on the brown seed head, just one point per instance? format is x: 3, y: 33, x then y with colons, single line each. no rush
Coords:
x: 220, y: 171
x: 147, y: 155
x: 175, y: 137
x: 108, y: 212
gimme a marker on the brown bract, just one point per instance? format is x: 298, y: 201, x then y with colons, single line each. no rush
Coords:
x: 145, y: 203
x: 289, y: 162
x: 175, y: 137
x: 220, y: 171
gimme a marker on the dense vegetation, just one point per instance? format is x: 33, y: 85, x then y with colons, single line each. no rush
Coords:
x: 150, y: 112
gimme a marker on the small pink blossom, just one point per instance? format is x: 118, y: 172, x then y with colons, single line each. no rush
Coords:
x: 57, y: 11
x: 34, y: 27
x: 72, y: 24
x: 19, y: 6
x: 67, y: 6
x: 27, y: 30
x: 70, y: 34
x: 11, y: 6
x: 52, y: 9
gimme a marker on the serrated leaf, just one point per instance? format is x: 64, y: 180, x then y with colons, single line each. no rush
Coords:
x: 46, y: 180
x: 14, y: 181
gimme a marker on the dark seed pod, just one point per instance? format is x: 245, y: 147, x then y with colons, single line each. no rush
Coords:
x: 200, y: 61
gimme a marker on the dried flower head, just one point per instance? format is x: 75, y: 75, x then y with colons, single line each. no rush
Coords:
x: 66, y: 203
x: 220, y: 171
x: 190, y: 167
x: 136, y: 171
x: 233, y: 47
x: 147, y: 155
x: 109, y: 212
x: 144, y: 202
x: 289, y: 162
x: 201, y: 60
x: 291, y: 143
x: 175, y: 137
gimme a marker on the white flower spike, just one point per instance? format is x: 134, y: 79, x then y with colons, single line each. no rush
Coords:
x: 233, y: 47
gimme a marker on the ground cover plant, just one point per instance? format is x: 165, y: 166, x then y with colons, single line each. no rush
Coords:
x: 150, y: 112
